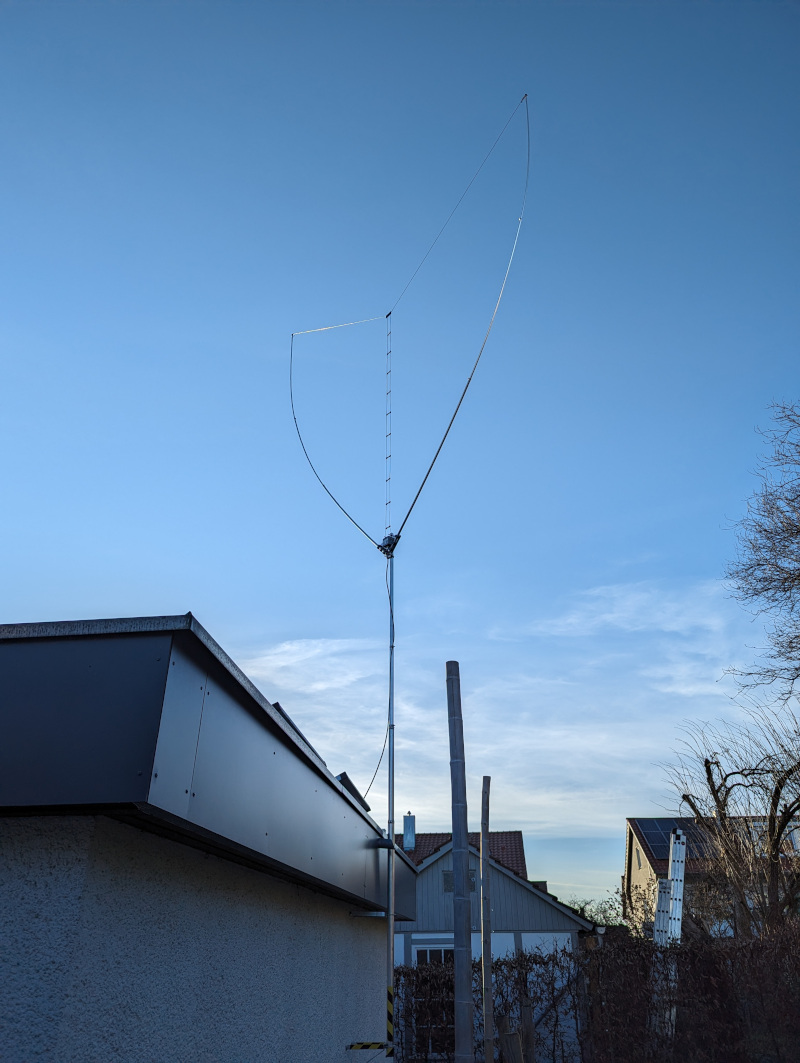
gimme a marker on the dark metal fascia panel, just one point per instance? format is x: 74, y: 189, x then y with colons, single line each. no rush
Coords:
x: 281, y: 720
x: 187, y: 622
x: 79, y: 718
x: 223, y: 769
x: 230, y: 676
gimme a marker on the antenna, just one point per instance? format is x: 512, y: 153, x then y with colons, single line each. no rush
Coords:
x: 388, y: 544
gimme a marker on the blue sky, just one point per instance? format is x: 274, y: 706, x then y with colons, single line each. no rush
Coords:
x: 184, y: 185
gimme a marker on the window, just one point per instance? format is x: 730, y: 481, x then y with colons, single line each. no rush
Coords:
x: 429, y: 1015
x: 638, y: 859
x: 447, y: 877
x: 442, y: 955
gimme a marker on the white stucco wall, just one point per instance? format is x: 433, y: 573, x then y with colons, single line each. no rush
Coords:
x: 120, y: 945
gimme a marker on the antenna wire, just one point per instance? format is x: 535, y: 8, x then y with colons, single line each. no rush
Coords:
x: 297, y: 426
x: 496, y: 305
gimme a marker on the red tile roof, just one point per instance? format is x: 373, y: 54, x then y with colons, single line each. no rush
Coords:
x: 505, y: 846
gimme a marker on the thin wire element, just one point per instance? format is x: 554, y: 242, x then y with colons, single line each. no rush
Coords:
x: 380, y: 760
x: 344, y: 324
x: 491, y: 323
x: 297, y: 426
x: 463, y: 194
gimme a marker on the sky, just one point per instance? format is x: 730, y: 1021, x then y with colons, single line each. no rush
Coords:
x: 185, y: 184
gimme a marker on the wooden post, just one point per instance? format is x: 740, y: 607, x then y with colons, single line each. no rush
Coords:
x: 510, y: 1040
x: 462, y: 925
x: 486, y: 928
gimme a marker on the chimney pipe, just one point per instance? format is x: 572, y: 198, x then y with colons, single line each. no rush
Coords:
x: 409, y: 833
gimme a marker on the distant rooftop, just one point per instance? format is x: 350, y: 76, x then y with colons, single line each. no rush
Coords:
x: 653, y: 834
x: 505, y: 847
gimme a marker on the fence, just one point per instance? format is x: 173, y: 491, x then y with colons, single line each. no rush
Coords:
x: 709, y: 1001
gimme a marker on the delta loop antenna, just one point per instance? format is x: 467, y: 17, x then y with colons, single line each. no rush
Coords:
x: 388, y: 543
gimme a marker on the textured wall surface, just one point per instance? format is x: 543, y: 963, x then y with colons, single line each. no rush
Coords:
x: 120, y: 945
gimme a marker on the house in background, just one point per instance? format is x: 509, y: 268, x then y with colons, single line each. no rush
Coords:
x: 647, y: 861
x: 524, y: 914
x: 182, y: 875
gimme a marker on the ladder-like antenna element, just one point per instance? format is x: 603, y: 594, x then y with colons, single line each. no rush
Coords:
x: 388, y: 519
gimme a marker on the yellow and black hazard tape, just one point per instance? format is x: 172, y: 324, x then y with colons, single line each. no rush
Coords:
x: 388, y: 1044
x: 390, y: 1020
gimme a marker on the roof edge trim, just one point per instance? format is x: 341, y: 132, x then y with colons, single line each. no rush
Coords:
x: 144, y: 625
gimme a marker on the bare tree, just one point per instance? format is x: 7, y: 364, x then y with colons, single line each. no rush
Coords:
x: 766, y: 573
x: 741, y: 781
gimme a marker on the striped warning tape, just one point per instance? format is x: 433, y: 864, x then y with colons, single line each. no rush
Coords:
x: 388, y: 1044
x: 390, y: 1020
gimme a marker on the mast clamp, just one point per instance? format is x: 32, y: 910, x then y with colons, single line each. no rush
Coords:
x: 388, y: 545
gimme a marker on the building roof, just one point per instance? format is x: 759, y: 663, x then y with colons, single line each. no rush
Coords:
x: 505, y: 847
x: 653, y: 833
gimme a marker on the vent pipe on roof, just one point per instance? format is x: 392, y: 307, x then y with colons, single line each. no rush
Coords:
x: 409, y: 833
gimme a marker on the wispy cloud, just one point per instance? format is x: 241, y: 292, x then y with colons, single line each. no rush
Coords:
x: 637, y: 607
x: 316, y: 666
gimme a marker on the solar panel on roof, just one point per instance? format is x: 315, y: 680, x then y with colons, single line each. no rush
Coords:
x: 656, y: 834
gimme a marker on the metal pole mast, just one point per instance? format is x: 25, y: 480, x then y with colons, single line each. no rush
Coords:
x: 390, y: 830
x: 486, y: 928
x: 387, y: 547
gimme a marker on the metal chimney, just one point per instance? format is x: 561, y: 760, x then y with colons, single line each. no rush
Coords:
x: 409, y: 833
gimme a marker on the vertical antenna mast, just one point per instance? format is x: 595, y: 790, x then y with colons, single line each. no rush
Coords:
x: 387, y: 547
x: 391, y: 539
x: 391, y: 855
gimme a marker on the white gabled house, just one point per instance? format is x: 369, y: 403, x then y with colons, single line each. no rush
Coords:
x: 524, y: 915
